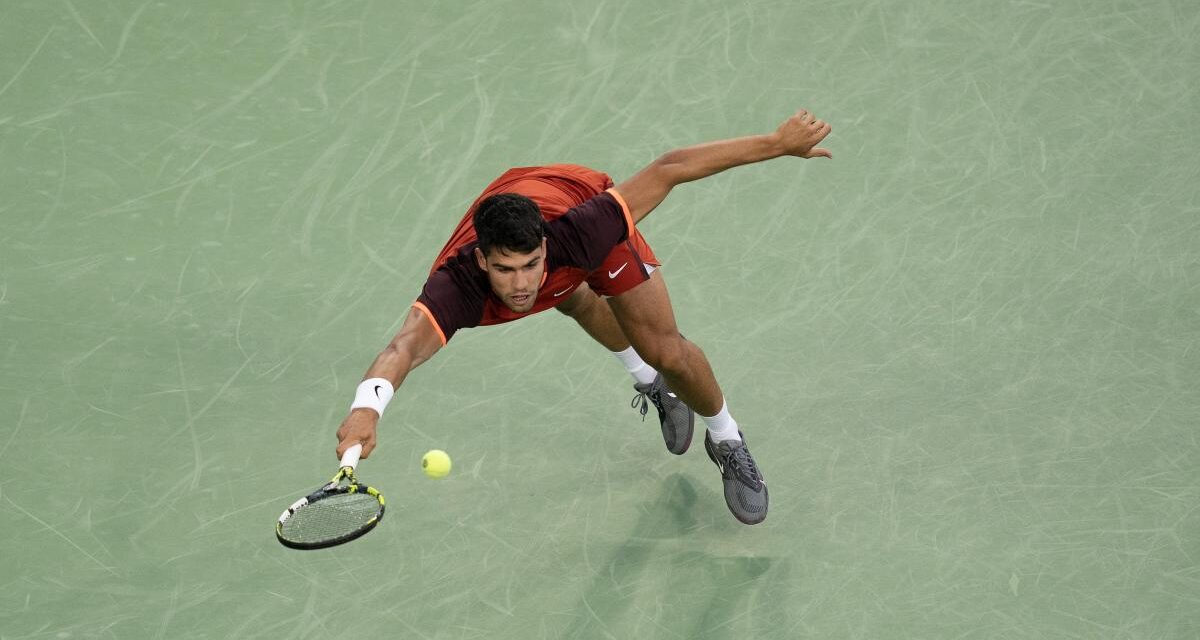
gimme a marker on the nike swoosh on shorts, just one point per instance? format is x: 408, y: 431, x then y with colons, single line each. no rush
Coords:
x: 613, y: 274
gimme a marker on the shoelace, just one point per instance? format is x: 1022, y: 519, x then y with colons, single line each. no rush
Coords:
x: 743, y: 465
x: 642, y: 401
x: 645, y: 405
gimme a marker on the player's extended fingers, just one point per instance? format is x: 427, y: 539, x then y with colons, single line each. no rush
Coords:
x: 805, y: 116
x: 819, y: 152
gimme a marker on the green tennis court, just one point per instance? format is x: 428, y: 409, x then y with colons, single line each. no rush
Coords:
x: 966, y: 351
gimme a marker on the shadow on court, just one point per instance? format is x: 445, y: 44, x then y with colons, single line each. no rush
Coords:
x: 650, y: 583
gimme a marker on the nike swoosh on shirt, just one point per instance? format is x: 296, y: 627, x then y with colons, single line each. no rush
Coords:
x: 613, y: 274
x: 562, y: 292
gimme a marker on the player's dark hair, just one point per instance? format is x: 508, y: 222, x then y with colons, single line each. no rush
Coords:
x: 510, y: 222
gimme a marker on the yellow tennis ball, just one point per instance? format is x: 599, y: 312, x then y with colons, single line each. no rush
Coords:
x: 436, y: 464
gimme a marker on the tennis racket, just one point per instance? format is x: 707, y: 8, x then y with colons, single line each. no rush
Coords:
x: 337, y: 513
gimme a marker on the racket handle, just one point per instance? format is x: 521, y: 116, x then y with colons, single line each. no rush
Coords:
x: 350, y: 458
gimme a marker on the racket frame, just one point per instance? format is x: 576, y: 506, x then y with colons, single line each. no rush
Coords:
x: 333, y: 488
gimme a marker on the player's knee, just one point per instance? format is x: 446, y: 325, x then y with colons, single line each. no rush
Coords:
x: 670, y: 355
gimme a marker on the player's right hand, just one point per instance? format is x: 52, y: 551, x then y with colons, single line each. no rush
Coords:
x: 800, y: 134
x: 358, y: 428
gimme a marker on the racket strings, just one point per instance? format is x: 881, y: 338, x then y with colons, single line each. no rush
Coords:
x: 331, y: 518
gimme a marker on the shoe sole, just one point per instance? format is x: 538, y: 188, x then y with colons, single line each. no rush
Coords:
x: 691, y: 427
x: 687, y: 442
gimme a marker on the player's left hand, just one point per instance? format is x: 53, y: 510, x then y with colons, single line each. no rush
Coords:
x: 799, y: 135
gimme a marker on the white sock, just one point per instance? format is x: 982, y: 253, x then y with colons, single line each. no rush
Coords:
x: 641, y: 372
x: 722, y: 426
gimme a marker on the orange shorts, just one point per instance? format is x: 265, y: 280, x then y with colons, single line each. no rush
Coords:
x: 627, y: 265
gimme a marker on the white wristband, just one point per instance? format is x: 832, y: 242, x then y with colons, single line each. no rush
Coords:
x: 373, y: 393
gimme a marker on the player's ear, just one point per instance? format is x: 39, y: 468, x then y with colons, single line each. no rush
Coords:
x: 480, y: 259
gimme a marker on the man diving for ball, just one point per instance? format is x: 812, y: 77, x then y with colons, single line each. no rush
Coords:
x: 562, y: 236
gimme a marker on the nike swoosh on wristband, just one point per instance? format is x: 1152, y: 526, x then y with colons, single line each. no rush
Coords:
x: 377, y: 388
x: 613, y: 274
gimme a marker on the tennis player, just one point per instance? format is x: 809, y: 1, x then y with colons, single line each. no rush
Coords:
x: 563, y: 236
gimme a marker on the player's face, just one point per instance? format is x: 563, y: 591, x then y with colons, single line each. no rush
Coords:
x: 515, y: 277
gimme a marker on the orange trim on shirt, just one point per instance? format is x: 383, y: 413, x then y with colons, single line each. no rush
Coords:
x: 624, y: 208
x: 419, y: 306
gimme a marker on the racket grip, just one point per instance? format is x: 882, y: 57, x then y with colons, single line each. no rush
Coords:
x: 350, y: 458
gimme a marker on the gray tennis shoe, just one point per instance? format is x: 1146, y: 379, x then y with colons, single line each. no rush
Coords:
x: 675, y: 418
x: 745, y: 489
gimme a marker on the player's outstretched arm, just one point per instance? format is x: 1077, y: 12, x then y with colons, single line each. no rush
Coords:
x: 797, y: 136
x: 415, y: 343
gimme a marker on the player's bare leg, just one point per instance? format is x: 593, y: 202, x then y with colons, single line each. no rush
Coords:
x: 645, y: 316
x: 675, y: 418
